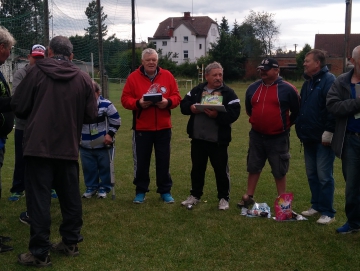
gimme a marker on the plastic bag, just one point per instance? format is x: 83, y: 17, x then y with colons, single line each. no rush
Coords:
x: 259, y: 210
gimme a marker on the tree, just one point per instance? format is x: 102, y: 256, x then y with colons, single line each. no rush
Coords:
x: 25, y: 21
x: 265, y: 29
x: 300, y: 59
x: 246, y: 33
x: 224, y: 26
x: 92, y: 15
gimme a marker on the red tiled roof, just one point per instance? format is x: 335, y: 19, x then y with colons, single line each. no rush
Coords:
x: 199, y: 25
x: 334, y: 44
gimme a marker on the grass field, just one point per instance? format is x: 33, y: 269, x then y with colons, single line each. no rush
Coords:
x: 119, y: 235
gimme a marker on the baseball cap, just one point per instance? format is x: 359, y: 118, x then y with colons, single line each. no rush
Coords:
x: 267, y: 64
x: 37, y: 50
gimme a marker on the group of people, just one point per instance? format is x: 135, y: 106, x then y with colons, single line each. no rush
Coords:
x: 325, y: 114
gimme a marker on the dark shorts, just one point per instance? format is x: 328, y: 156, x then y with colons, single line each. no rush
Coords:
x: 274, y: 148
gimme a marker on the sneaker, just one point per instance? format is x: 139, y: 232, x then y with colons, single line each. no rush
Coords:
x: 245, y: 202
x: 139, y: 198
x: 309, y: 212
x: 167, y: 198
x: 4, y: 239
x: 16, y: 196
x: 223, y: 204
x: 5, y: 248
x: 101, y: 193
x: 30, y: 260
x: 24, y: 218
x: 191, y: 200
x: 68, y: 250
x: 53, y: 194
x: 89, y: 193
x: 344, y: 229
x: 324, y: 219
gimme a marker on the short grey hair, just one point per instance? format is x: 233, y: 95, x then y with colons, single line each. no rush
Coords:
x: 356, y: 52
x: 149, y: 51
x: 211, y: 66
x: 6, y: 38
x: 61, y: 45
x: 97, y: 87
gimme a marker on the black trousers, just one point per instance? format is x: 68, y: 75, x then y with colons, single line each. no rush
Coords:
x: 143, y: 143
x: 42, y: 174
x: 201, y: 151
x: 18, y: 183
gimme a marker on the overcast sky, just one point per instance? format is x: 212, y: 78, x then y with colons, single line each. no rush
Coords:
x: 298, y: 21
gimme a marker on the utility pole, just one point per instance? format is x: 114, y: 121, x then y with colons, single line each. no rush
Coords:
x: 347, y: 33
x: 295, y: 44
x: 46, y: 23
x: 101, y: 53
x: 133, y: 34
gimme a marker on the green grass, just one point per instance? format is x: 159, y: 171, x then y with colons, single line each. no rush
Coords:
x: 119, y: 235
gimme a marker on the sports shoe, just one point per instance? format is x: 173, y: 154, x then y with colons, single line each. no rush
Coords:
x: 5, y: 248
x: 324, y: 219
x: 101, y: 194
x: 246, y: 201
x: 30, y: 260
x: 68, y: 250
x: 53, y: 194
x: 223, y: 204
x: 4, y: 239
x: 344, y: 229
x: 24, y: 218
x: 89, y: 193
x: 16, y: 196
x: 191, y: 200
x: 139, y: 198
x: 309, y: 212
x: 167, y: 198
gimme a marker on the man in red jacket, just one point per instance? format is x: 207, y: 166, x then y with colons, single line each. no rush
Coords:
x: 151, y: 123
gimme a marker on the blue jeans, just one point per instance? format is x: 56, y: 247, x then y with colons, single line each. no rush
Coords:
x: 96, y: 167
x: 351, y: 172
x: 319, y: 163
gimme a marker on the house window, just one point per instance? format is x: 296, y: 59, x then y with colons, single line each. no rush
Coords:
x: 175, y: 39
x: 164, y: 43
x: 154, y: 42
x: 212, y: 31
x: 186, y: 38
x: 186, y: 54
x: 200, y: 46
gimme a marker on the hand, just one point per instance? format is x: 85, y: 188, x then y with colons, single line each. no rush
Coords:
x: 163, y: 104
x: 108, y: 139
x: 194, y: 110
x: 212, y: 113
x: 144, y: 104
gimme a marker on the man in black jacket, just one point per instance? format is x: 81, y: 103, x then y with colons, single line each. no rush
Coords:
x: 6, y: 42
x: 210, y: 131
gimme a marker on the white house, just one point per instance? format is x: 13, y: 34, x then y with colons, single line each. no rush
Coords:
x: 187, y: 38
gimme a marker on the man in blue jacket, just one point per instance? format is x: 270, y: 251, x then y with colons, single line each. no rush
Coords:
x: 314, y: 127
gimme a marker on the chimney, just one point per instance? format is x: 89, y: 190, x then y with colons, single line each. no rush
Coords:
x: 187, y: 15
x: 171, y: 28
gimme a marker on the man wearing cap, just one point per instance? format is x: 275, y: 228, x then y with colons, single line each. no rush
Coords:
x: 272, y: 105
x: 37, y: 52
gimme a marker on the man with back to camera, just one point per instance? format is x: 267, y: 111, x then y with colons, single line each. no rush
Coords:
x: 343, y: 101
x: 151, y: 123
x: 315, y: 127
x: 56, y: 98
x: 7, y: 41
x: 210, y: 133
x: 272, y: 105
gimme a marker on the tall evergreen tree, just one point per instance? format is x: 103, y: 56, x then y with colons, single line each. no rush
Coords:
x: 92, y: 15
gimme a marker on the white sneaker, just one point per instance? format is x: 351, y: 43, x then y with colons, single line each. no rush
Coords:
x: 324, y: 219
x: 309, y: 212
x: 89, y: 193
x: 191, y: 200
x: 223, y: 204
x: 101, y: 194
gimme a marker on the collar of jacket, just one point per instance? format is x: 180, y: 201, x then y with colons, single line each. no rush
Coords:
x: 142, y: 70
x: 317, y: 75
